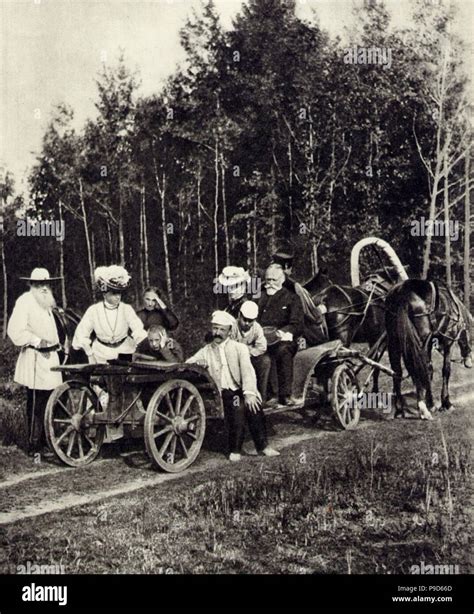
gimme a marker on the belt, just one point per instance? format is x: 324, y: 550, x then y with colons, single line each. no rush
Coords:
x: 50, y: 348
x: 115, y: 344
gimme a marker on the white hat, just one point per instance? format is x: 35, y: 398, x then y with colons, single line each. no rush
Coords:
x: 249, y: 310
x: 233, y: 275
x: 222, y: 318
x: 39, y: 274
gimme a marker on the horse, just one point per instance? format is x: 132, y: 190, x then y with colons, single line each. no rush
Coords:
x: 421, y: 315
x: 355, y: 315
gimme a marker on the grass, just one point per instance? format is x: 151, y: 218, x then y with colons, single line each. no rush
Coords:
x: 374, y: 500
x: 366, y: 504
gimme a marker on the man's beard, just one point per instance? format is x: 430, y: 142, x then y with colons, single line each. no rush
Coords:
x: 44, y: 298
x: 271, y: 290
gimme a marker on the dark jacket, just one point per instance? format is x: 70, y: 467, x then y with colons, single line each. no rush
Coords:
x: 172, y: 352
x: 234, y: 306
x: 289, y: 284
x: 161, y: 317
x: 282, y: 310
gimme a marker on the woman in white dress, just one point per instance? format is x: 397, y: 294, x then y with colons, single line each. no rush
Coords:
x: 117, y: 328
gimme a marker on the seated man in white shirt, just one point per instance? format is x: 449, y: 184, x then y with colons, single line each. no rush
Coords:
x: 249, y: 332
x: 229, y: 365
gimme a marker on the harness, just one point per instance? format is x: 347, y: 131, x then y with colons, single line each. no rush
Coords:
x: 348, y: 311
x: 449, y: 323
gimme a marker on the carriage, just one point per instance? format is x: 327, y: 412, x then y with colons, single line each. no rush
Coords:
x: 167, y: 404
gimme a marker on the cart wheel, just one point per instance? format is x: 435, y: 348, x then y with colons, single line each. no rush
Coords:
x: 344, y: 391
x: 175, y: 424
x: 68, y: 424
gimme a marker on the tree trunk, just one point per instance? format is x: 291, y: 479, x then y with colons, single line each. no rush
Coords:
x: 427, y: 249
x: 5, y: 284
x: 224, y: 213
x: 120, y: 227
x: 447, y: 236
x: 216, y: 210
x: 273, y: 213
x: 169, y: 287
x: 441, y: 153
x: 86, y: 231
x: 290, y: 183
x: 145, y: 240
x: 199, y: 221
x: 254, y: 237
x: 467, y: 232
x: 141, y: 256
x: 248, y: 243
x: 161, y: 189
x: 61, y: 261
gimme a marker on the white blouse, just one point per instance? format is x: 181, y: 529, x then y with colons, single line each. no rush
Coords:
x: 109, y: 325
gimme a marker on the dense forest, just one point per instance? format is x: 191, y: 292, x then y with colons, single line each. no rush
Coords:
x: 265, y: 132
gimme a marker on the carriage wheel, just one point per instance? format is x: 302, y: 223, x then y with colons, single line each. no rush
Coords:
x: 68, y: 424
x: 175, y: 424
x: 344, y: 391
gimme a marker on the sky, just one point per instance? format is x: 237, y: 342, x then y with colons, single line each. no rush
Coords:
x: 52, y: 50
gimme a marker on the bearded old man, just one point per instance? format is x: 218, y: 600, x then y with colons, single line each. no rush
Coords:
x: 281, y: 316
x: 33, y: 328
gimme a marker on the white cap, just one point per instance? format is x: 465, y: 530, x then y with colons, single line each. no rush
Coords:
x: 222, y: 318
x: 249, y: 310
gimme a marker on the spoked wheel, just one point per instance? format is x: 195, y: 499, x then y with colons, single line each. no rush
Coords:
x: 68, y: 424
x: 344, y: 397
x: 175, y: 424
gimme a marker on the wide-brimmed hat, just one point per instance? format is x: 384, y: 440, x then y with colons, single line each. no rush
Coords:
x: 39, y: 274
x: 112, y: 277
x: 270, y: 335
x: 233, y: 276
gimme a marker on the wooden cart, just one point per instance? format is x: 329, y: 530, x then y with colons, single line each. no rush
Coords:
x: 164, y: 403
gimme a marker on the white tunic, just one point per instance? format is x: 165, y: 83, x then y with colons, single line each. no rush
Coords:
x: 109, y: 325
x: 28, y: 325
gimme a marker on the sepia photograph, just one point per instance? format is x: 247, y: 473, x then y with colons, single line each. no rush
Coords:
x: 236, y: 304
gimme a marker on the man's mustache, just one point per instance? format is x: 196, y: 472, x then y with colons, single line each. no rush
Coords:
x: 217, y: 337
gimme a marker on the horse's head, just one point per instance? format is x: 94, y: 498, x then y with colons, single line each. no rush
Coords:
x: 318, y: 283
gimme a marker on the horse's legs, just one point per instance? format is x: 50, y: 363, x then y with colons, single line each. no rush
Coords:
x: 395, y: 357
x: 375, y: 381
x: 424, y: 401
x: 465, y: 347
x: 445, y: 402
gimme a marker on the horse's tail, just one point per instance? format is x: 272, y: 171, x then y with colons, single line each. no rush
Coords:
x: 402, y: 331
